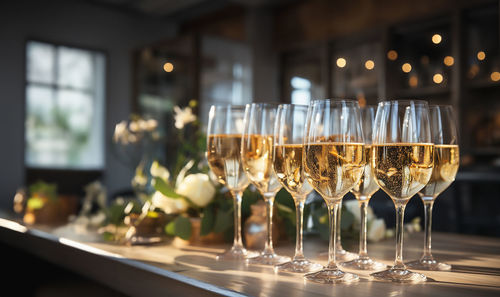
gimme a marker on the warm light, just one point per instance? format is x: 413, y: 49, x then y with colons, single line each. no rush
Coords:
x: 473, y: 71
x: 495, y: 76
x: 481, y: 55
x: 361, y: 99
x: 168, y: 67
x: 392, y: 55
x: 413, y: 81
x: 424, y: 60
x: 406, y: 67
x: 369, y: 64
x: 436, y: 38
x: 341, y: 62
x: 437, y: 78
x: 448, y: 61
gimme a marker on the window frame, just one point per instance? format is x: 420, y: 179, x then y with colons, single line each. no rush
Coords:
x: 94, y: 172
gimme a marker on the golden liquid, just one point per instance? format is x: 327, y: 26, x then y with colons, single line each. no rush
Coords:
x: 402, y: 169
x: 366, y: 186
x: 446, y: 162
x: 289, y: 169
x: 224, y: 158
x: 257, y: 159
x: 333, y: 168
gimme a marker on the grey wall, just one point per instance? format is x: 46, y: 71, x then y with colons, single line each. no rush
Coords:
x: 73, y: 23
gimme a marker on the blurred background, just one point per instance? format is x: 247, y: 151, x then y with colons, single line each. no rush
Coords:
x: 73, y: 69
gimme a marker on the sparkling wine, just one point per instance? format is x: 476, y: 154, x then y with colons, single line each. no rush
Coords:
x: 289, y: 169
x: 257, y: 159
x: 366, y: 186
x: 446, y: 162
x: 402, y: 169
x: 224, y: 158
x: 333, y: 168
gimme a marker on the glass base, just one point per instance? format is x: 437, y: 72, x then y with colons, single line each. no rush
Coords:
x: 428, y: 264
x: 301, y: 266
x: 341, y: 255
x: 364, y: 264
x: 399, y: 276
x: 268, y: 258
x: 235, y: 254
x: 331, y: 276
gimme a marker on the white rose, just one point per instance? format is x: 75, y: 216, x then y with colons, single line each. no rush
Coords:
x: 353, y: 207
x: 377, y: 230
x: 198, y: 188
x: 168, y: 205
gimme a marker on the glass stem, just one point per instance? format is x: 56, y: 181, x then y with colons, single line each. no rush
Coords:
x: 299, y: 214
x: 332, y: 247
x: 428, y: 204
x: 237, y: 196
x: 363, y: 205
x: 400, y: 214
x: 338, y: 242
x: 268, y: 249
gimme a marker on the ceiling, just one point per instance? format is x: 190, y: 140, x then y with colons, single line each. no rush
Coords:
x: 179, y: 9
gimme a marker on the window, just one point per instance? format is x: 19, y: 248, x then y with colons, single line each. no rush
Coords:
x: 301, y: 93
x: 64, y: 126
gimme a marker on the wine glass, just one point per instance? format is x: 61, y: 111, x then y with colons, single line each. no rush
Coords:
x: 340, y: 253
x: 402, y: 165
x: 257, y: 160
x: 225, y: 128
x: 333, y: 163
x: 446, y: 161
x: 363, y: 191
x: 289, y: 130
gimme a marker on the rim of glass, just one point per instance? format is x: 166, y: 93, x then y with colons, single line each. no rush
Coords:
x: 265, y: 104
x: 227, y: 106
x: 441, y: 106
x: 334, y: 100
x: 288, y: 105
x: 405, y: 101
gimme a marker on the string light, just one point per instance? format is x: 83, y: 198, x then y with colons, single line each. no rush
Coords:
x: 495, y: 76
x: 448, y: 61
x: 437, y: 78
x: 341, y: 62
x: 392, y: 55
x: 481, y: 55
x: 413, y: 81
x: 406, y: 67
x: 436, y: 38
x: 369, y: 64
x: 168, y: 67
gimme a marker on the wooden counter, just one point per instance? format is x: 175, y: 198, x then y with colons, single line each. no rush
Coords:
x: 165, y: 270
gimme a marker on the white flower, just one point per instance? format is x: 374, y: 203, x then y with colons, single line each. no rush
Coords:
x: 168, y: 205
x: 353, y: 207
x: 198, y: 188
x: 377, y: 230
x: 183, y: 116
x: 121, y: 132
x: 157, y: 170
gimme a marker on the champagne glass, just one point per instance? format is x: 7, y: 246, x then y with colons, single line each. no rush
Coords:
x: 341, y: 254
x: 225, y: 128
x: 446, y: 162
x: 257, y: 160
x: 333, y: 163
x: 289, y: 130
x: 363, y: 191
x: 402, y: 161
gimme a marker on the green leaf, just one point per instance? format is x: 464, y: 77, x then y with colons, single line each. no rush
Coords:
x: 170, y: 228
x: 35, y: 203
x: 161, y: 186
x: 207, y: 220
x: 223, y: 220
x: 182, y: 227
